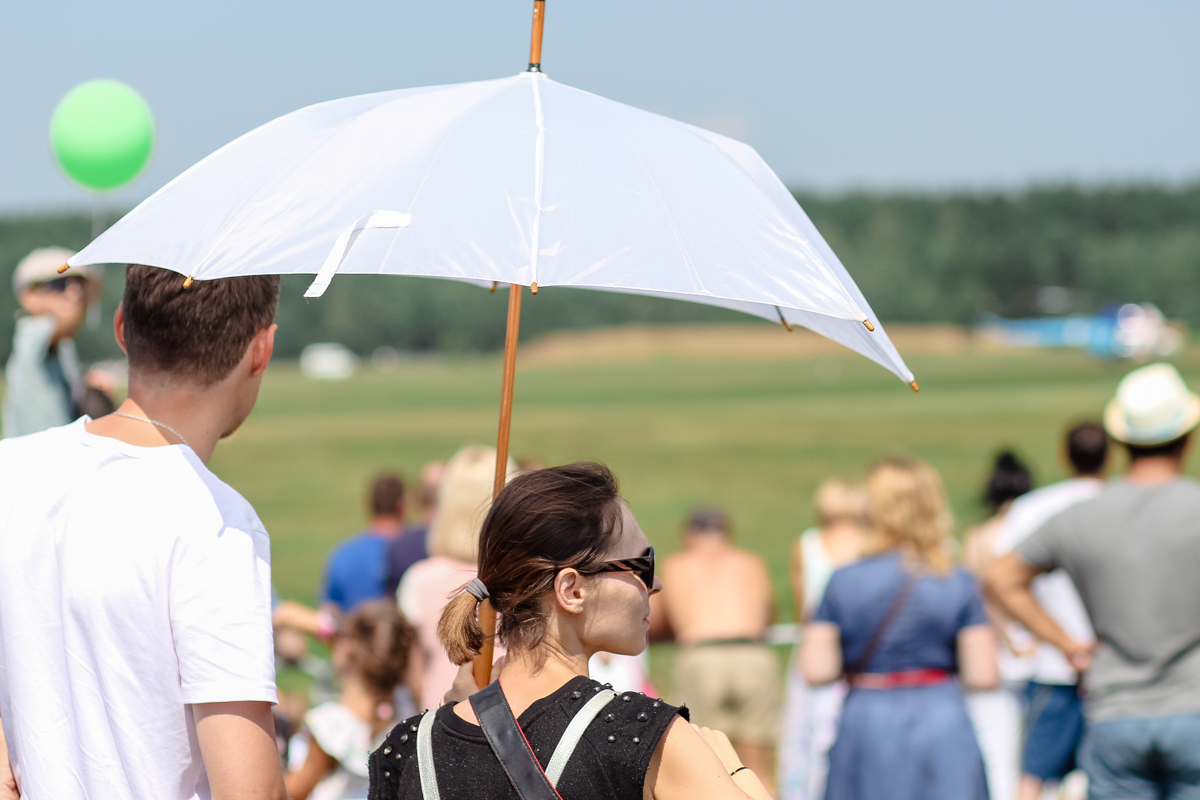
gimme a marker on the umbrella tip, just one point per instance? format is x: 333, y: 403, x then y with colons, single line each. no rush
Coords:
x: 187, y: 282
x: 63, y: 268
x: 534, y: 287
x: 867, y: 322
x: 914, y: 386
x: 493, y: 289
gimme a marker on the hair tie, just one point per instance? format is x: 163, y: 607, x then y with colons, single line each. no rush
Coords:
x: 477, y: 590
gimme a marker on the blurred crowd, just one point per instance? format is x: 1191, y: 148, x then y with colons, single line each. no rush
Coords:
x: 1051, y: 651
x: 908, y: 663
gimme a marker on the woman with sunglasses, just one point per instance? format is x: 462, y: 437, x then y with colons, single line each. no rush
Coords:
x: 570, y: 573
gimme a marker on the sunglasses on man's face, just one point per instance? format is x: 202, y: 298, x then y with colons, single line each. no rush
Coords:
x: 642, y: 567
x: 58, y: 284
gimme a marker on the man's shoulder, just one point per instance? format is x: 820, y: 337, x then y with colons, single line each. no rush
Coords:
x: 48, y: 450
x: 189, y: 484
x: 363, y: 544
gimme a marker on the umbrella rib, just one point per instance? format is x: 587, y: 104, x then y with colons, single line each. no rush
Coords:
x: 539, y: 167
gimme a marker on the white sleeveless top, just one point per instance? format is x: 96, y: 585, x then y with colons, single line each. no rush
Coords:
x: 348, y: 740
x: 817, y: 569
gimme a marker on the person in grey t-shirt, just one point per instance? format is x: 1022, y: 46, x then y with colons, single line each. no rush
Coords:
x: 1133, y: 552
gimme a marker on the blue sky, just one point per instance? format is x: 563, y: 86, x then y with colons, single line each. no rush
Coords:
x: 923, y: 95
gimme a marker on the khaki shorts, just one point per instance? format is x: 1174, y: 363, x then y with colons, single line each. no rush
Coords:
x: 732, y: 688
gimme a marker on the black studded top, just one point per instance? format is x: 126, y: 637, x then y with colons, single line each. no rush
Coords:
x: 610, y: 761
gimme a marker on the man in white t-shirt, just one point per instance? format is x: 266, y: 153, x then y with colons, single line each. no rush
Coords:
x: 136, y: 656
x: 1054, y: 719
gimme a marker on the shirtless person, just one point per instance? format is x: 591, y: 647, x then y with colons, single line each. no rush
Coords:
x: 718, y: 601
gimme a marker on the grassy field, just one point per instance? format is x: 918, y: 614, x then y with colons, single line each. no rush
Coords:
x: 752, y: 434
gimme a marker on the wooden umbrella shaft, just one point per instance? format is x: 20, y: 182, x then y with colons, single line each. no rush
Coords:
x: 535, y: 40
x: 482, y: 668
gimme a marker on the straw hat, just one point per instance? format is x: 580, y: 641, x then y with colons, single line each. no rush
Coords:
x: 1152, y: 406
x: 42, y: 265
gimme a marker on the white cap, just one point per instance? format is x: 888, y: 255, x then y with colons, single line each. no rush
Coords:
x: 1152, y: 406
x: 42, y: 265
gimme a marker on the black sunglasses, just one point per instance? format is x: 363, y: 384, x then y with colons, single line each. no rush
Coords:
x: 59, y: 284
x: 642, y: 567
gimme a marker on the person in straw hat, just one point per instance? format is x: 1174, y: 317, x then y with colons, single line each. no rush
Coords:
x: 1133, y: 552
x: 45, y: 386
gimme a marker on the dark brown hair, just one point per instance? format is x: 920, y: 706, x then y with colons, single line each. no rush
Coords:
x: 199, y: 333
x: 382, y: 641
x: 1171, y: 449
x: 387, y: 490
x: 1087, y: 448
x: 543, y: 522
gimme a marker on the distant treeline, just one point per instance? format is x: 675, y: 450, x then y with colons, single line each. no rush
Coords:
x: 917, y: 258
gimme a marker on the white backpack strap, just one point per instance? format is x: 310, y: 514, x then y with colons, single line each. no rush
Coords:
x: 574, y: 732
x: 429, y: 786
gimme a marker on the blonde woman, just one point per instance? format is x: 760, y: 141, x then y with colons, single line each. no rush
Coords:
x: 464, y: 499
x: 810, y: 713
x: 905, y: 629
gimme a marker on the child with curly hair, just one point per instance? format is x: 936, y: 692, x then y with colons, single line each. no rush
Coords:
x: 371, y: 650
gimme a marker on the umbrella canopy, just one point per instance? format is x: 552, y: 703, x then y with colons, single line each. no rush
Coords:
x: 520, y: 180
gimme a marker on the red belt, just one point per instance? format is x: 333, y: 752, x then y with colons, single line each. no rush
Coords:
x: 898, y: 680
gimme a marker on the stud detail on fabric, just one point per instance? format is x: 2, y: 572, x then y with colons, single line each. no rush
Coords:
x: 642, y: 716
x: 656, y: 704
x: 626, y: 698
x: 576, y: 695
x: 387, y: 750
x: 612, y: 738
x: 403, y: 739
x: 609, y: 717
x: 412, y: 728
x: 636, y: 740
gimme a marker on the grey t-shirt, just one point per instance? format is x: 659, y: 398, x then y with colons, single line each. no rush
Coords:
x: 1133, y: 552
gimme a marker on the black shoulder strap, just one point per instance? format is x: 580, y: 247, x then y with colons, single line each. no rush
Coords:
x: 863, y: 662
x: 510, y: 746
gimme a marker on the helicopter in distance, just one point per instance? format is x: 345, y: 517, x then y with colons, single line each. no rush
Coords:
x: 1117, y: 331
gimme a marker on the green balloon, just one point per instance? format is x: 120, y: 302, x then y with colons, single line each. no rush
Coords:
x: 102, y: 134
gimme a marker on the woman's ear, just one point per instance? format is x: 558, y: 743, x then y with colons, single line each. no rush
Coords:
x: 570, y: 591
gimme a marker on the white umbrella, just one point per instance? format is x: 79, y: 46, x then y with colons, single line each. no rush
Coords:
x: 521, y: 181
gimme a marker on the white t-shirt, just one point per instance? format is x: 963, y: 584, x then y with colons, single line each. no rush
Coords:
x: 133, y: 583
x: 1054, y: 591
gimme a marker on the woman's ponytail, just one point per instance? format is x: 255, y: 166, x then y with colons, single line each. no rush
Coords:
x: 458, y: 629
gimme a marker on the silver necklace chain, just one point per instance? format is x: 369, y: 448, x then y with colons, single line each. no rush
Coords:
x: 162, y: 425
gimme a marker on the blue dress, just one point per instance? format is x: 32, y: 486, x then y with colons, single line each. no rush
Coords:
x: 913, y: 743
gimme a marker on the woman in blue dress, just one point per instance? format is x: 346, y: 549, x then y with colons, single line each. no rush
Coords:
x: 907, y: 630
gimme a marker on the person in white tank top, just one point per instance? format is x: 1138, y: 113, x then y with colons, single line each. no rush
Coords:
x: 996, y: 713
x: 810, y: 713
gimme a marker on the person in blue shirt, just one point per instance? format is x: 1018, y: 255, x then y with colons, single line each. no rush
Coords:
x: 357, y: 569
x: 409, y: 547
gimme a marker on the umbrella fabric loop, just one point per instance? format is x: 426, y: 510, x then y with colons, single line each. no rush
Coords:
x: 376, y: 219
